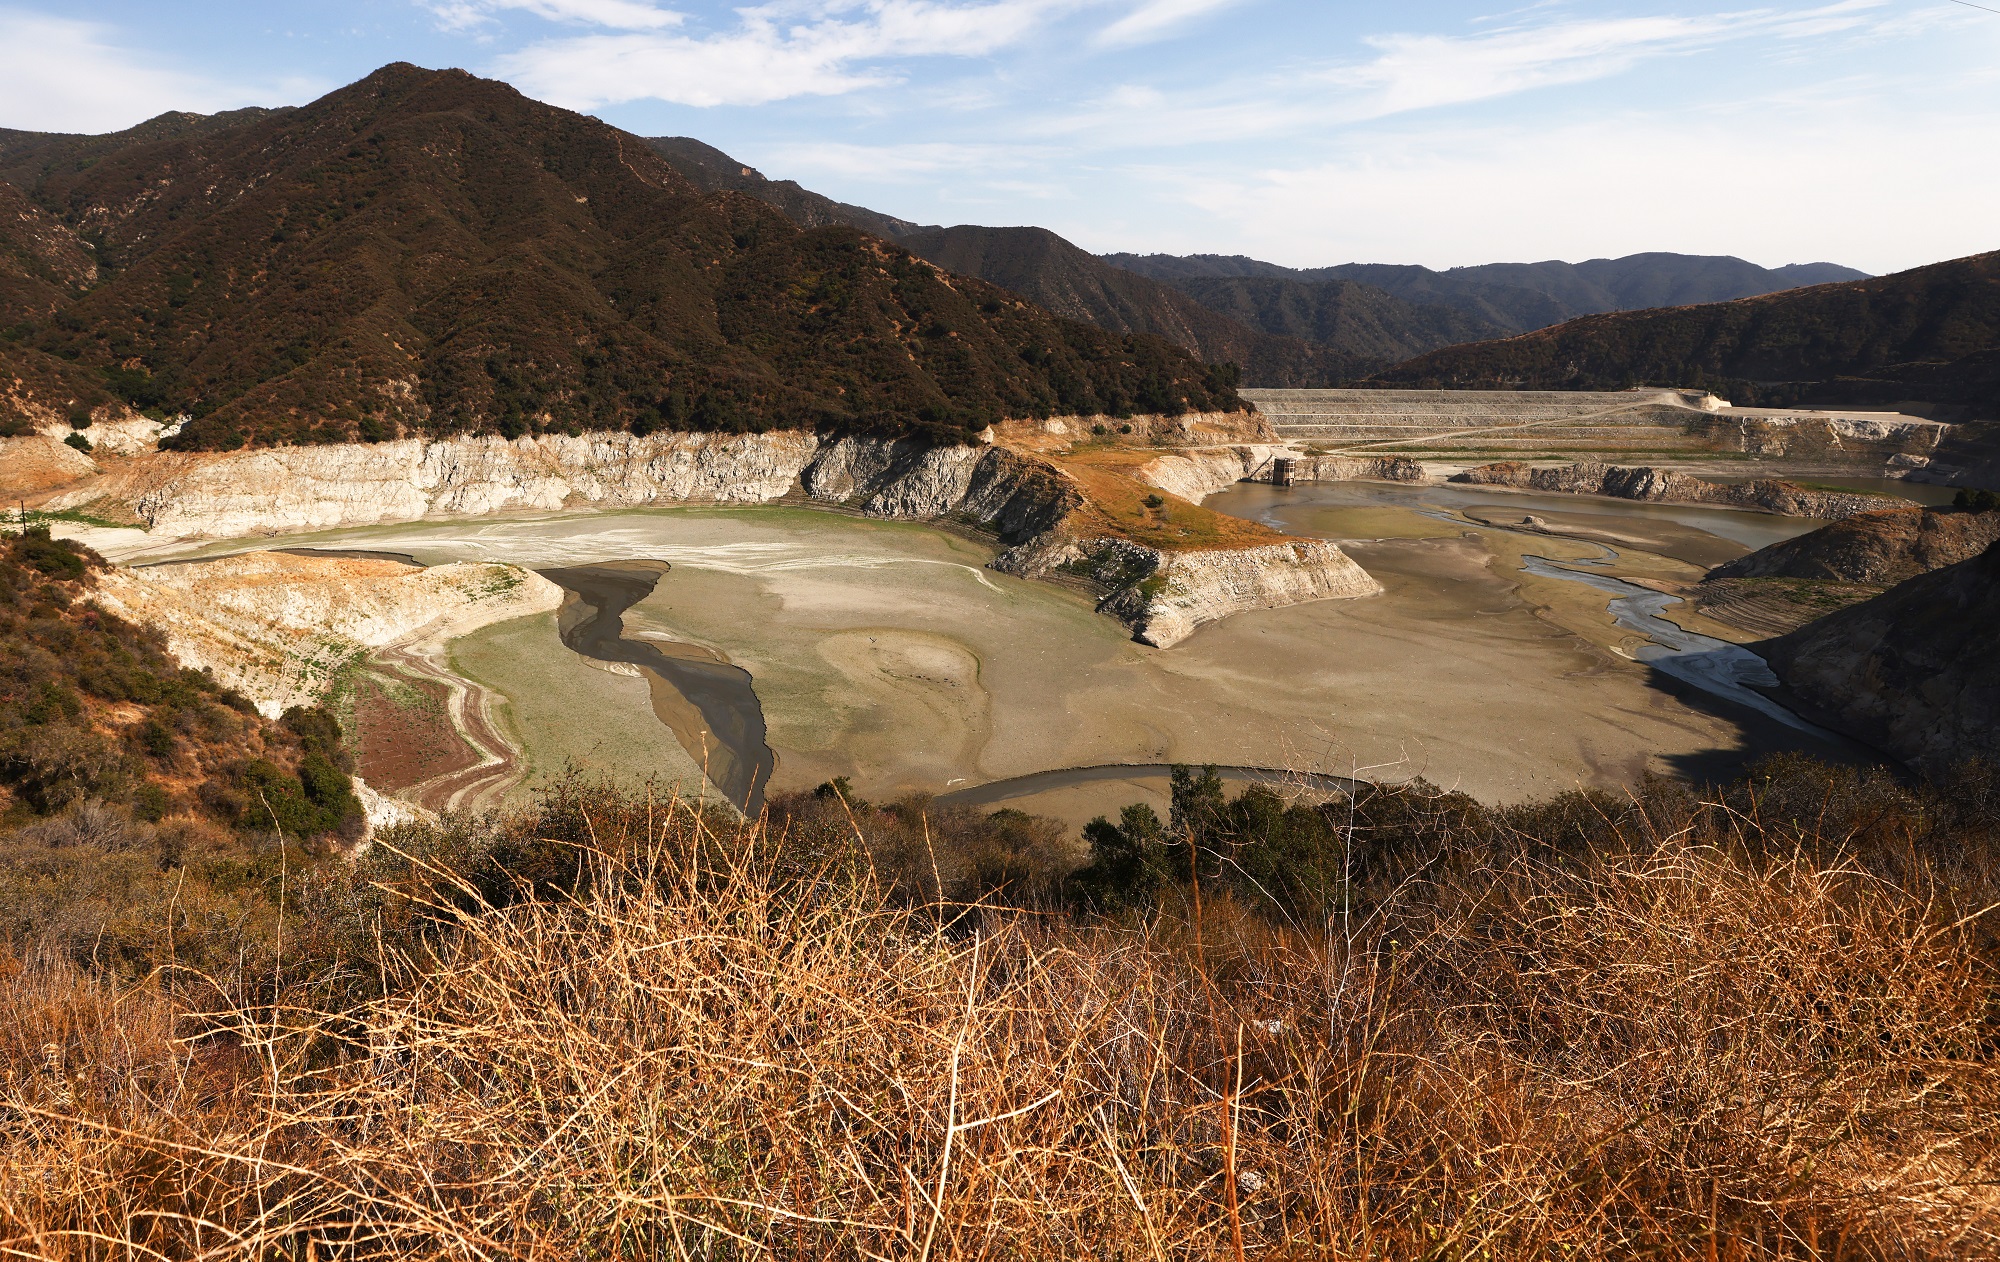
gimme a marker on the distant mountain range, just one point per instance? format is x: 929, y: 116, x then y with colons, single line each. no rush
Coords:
x: 1354, y: 330
x: 1507, y: 297
x: 1929, y: 334
x: 426, y: 250
x: 1283, y: 326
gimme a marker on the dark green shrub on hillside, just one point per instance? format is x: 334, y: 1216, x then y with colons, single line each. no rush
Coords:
x: 1131, y: 864
x: 1301, y: 857
x: 1975, y: 501
x: 57, y: 558
x: 72, y: 677
x: 924, y: 851
x: 1304, y: 859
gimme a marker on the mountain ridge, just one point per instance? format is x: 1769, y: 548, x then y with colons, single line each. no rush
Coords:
x: 1364, y: 328
x: 1518, y: 297
x: 427, y: 250
x: 1929, y: 335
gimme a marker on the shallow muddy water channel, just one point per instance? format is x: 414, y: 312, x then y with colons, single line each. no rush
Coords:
x: 708, y: 703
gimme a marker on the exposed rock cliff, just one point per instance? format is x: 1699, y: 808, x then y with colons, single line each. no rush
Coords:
x: 1193, y: 475
x: 1646, y: 483
x: 1882, y: 548
x: 1183, y: 590
x: 1864, y: 438
x: 1026, y: 501
x: 280, y: 627
x: 285, y: 490
x: 1914, y: 672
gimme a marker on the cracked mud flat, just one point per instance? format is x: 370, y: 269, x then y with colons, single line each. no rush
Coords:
x: 885, y: 652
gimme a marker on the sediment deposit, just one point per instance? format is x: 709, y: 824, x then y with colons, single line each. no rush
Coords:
x: 280, y: 628
x: 1668, y: 486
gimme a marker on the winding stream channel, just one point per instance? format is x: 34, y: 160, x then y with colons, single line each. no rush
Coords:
x: 1726, y: 670
x: 709, y: 703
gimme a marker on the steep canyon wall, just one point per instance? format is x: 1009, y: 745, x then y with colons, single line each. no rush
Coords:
x: 1027, y: 502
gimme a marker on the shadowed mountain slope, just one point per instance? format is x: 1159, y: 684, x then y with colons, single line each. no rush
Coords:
x: 1881, y: 548
x: 425, y: 250
x: 1927, y: 334
x: 1914, y: 672
x: 714, y: 171
x: 1516, y: 297
x: 43, y: 264
x: 1359, y: 319
x: 1049, y: 271
x: 1317, y: 337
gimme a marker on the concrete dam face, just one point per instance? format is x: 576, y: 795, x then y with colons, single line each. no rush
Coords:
x: 1529, y: 424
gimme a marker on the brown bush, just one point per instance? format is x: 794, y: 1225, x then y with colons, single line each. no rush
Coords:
x: 1662, y: 1047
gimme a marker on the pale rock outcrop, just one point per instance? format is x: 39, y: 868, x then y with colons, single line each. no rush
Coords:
x: 113, y: 431
x: 280, y: 627
x: 1183, y: 590
x: 1667, y: 485
x: 382, y: 811
x: 1194, y: 475
x: 35, y: 463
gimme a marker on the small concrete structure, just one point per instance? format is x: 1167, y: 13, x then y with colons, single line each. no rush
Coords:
x: 1281, y: 471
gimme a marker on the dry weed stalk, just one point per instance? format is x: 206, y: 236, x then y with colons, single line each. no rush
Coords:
x: 1681, y: 1054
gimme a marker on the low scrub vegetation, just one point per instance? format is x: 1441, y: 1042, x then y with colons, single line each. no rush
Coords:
x: 1757, y: 1022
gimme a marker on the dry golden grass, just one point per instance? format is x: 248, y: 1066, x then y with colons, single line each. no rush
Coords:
x: 1116, y: 505
x: 1678, y: 1053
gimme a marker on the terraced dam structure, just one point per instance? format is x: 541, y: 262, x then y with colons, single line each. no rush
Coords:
x: 1629, y: 424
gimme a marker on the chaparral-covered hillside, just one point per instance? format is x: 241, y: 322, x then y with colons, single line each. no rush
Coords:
x: 429, y: 251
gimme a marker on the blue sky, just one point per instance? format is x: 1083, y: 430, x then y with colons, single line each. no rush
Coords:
x: 1859, y: 131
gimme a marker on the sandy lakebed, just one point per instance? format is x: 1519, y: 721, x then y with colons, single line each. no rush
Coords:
x: 886, y: 652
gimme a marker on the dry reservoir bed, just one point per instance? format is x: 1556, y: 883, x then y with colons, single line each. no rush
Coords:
x: 886, y: 653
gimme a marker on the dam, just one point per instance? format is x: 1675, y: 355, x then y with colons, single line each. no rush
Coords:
x: 1644, y: 425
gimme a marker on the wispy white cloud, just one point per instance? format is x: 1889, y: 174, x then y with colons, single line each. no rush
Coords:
x: 625, y: 15
x: 774, y: 52
x: 1410, y: 73
x: 1413, y: 72
x: 1154, y: 19
x: 899, y: 162
x: 1616, y: 184
x: 61, y: 74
